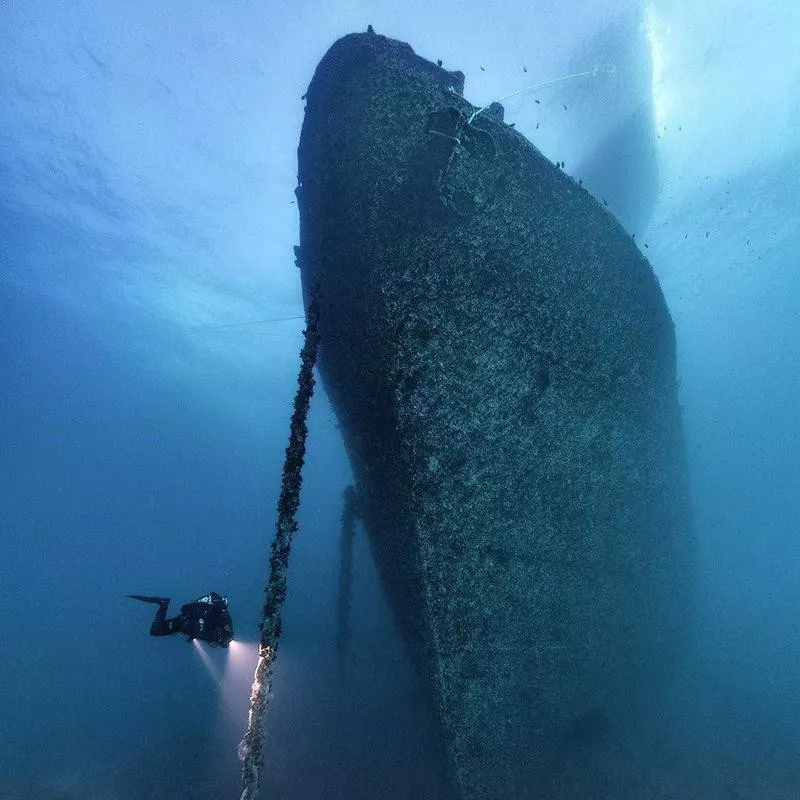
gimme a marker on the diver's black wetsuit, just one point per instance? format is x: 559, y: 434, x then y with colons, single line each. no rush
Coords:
x: 206, y: 618
x: 164, y: 627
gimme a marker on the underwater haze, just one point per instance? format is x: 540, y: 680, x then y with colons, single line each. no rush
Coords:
x: 151, y: 317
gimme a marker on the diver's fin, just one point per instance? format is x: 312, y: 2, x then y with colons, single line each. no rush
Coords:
x: 148, y: 599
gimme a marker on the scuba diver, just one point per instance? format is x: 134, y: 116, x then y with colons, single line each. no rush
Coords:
x: 206, y: 618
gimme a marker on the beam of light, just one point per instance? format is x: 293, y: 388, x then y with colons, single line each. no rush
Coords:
x: 240, y: 655
x: 213, y: 669
x: 240, y: 660
x: 236, y: 667
x: 655, y: 33
x: 239, y: 665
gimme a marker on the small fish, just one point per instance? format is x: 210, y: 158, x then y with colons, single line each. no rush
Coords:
x: 537, y: 126
x: 565, y: 106
x: 645, y: 244
x: 438, y: 62
x: 538, y: 102
x: 483, y: 69
x: 524, y: 68
x: 605, y: 202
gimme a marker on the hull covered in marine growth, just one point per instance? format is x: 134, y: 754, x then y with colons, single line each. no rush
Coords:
x: 502, y: 363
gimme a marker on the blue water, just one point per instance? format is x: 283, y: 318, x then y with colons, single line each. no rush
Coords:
x: 147, y: 168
